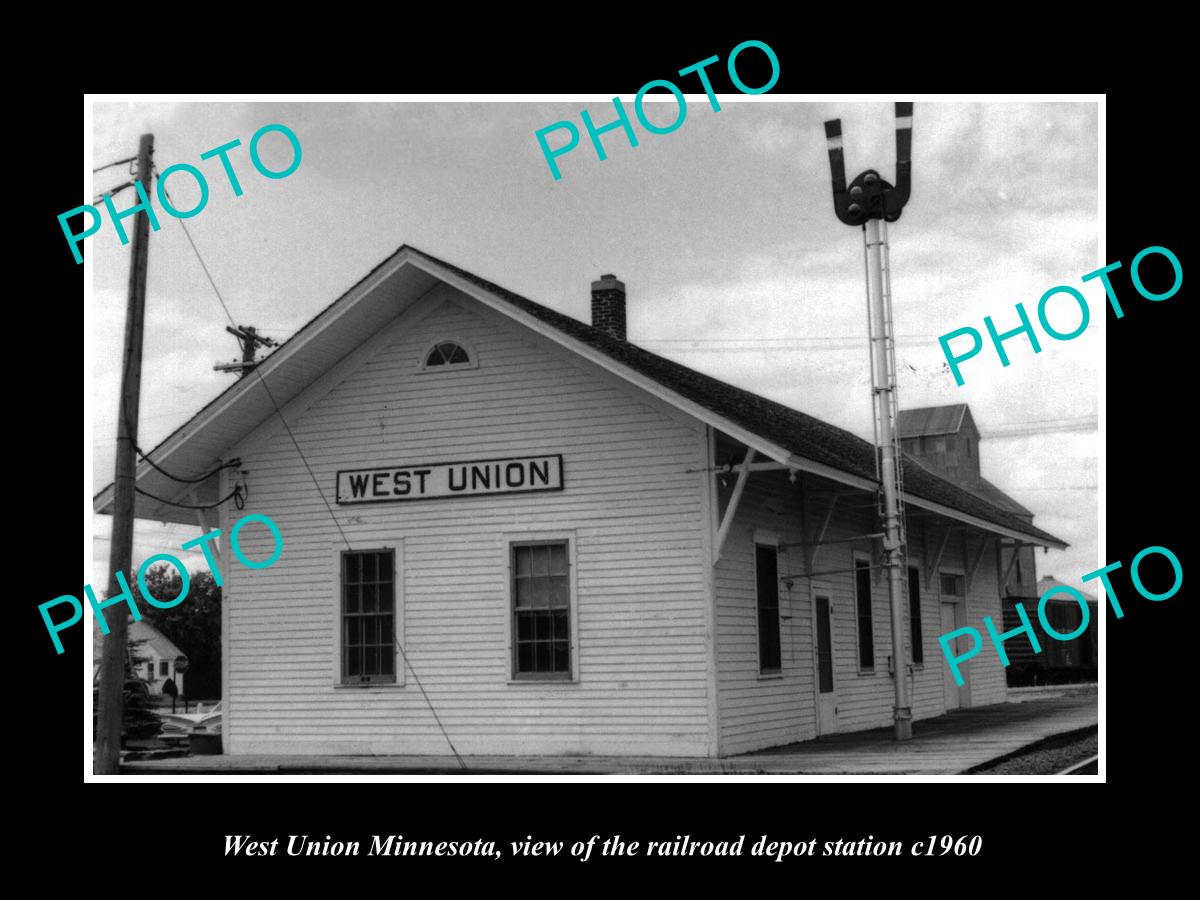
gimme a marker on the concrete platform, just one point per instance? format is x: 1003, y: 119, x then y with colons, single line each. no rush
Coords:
x: 947, y: 745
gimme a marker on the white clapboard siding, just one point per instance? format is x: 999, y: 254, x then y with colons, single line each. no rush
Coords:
x: 762, y: 712
x: 634, y: 511
x: 757, y: 712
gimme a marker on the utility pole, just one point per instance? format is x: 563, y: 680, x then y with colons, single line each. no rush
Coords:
x: 251, y: 340
x: 112, y: 664
x: 870, y: 202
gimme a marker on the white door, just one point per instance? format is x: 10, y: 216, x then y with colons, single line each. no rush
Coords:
x: 949, y: 623
x: 826, y: 689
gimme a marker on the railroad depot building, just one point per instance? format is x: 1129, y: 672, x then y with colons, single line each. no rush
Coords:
x: 577, y: 546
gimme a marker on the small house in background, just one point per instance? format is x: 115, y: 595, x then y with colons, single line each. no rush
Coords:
x: 153, y: 654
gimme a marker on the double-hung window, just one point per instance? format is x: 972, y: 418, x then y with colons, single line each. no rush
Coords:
x: 541, y: 610
x: 766, y: 569
x: 368, y: 617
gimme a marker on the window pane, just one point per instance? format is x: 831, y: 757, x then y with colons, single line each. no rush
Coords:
x: 542, y: 631
x: 824, y: 646
x: 541, y: 560
x: 544, y: 657
x: 866, y: 636
x: 766, y: 565
x: 862, y: 588
x: 369, y: 597
x: 459, y: 355
x: 352, y: 598
x: 434, y: 358
x: 558, y: 559
x: 368, y: 567
x: 386, y: 562
x: 386, y: 658
x: 524, y: 592
x: 562, y: 656
x: 353, y: 661
x: 370, y: 661
x: 386, y: 635
x: 539, y: 592
x: 914, y: 612
x: 351, y: 567
x: 559, y: 591
x: 768, y: 639
x: 522, y: 559
x: 349, y: 631
x: 524, y: 657
x: 561, y: 625
x: 385, y: 597
x: 370, y: 630
x: 524, y: 626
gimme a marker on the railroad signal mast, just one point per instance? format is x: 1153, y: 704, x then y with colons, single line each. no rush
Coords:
x: 870, y: 203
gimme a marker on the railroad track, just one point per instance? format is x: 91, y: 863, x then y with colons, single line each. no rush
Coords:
x: 1074, y: 768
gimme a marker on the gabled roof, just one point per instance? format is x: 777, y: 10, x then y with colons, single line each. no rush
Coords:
x: 777, y: 431
x: 931, y: 420
x: 152, y: 639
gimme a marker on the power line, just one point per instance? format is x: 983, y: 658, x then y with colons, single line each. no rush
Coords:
x: 109, y: 193
x: 1086, y: 487
x: 1028, y: 432
x: 232, y: 464
x: 773, y: 342
x: 1089, y: 417
x: 235, y: 495
x: 428, y: 702
x: 117, y: 163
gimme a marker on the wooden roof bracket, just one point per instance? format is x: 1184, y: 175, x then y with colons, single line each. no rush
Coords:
x: 931, y: 565
x: 974, y: 566
x: 734, y: 501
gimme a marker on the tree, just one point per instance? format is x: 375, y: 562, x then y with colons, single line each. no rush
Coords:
x: 194, y: 625
x: 138, y: 720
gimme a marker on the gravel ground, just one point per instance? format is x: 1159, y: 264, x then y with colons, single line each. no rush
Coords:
x: 1046, y: 757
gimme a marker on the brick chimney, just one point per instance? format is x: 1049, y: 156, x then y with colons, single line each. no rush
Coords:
x: 608, y: 305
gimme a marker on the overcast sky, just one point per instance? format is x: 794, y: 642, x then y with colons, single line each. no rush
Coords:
x: 723, y: 232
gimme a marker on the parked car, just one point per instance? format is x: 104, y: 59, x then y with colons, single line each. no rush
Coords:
x: 180, y: 726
